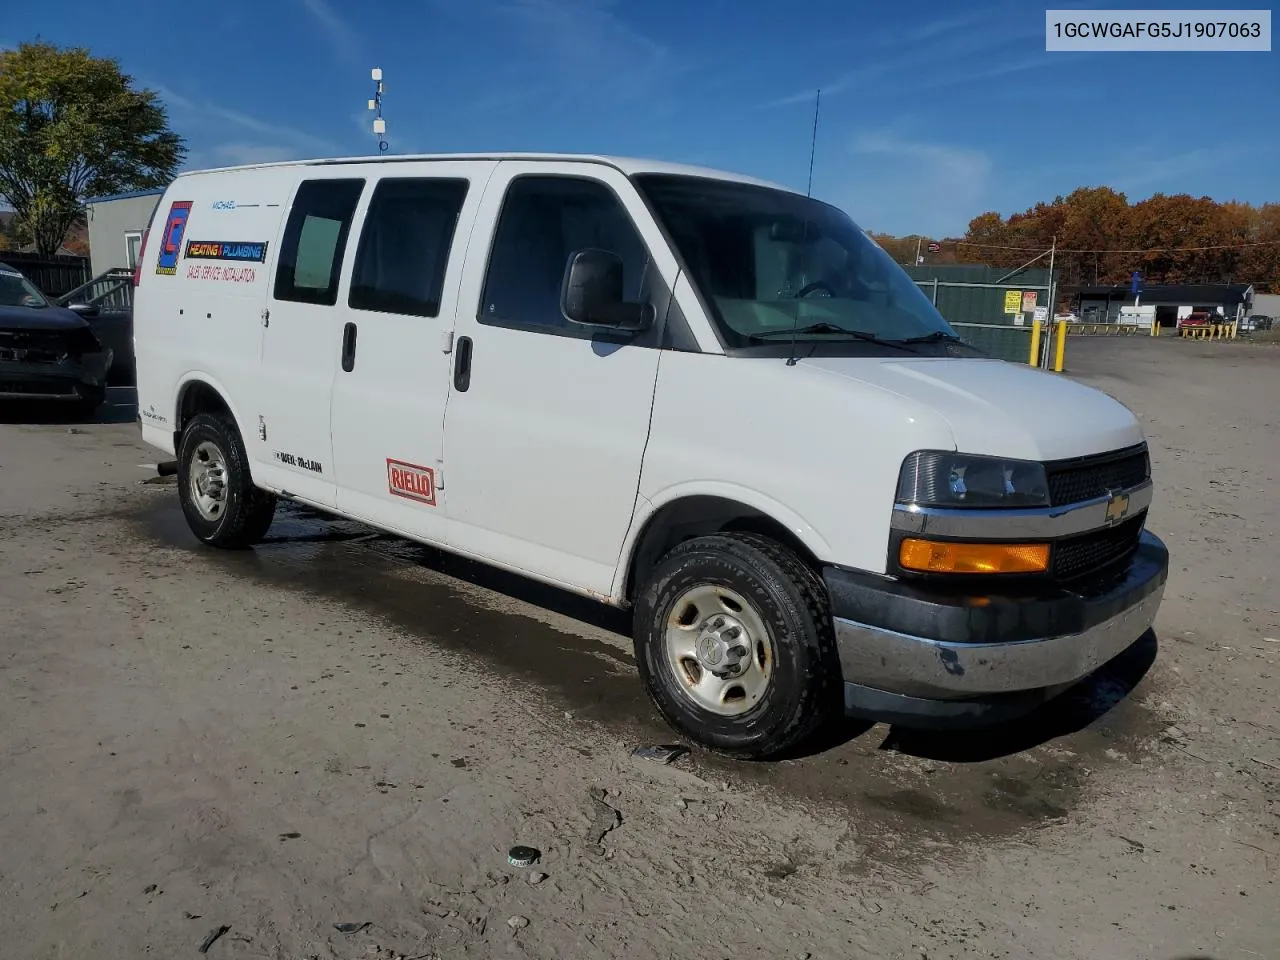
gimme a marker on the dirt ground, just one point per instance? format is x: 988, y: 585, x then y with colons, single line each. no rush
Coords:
x: 342, y: 728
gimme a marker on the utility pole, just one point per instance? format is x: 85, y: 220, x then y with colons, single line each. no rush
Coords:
x: 1052, y: 304
x: 917, y: 260
x: 379, y: 125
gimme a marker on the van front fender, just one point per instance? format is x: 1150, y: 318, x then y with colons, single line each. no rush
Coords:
x: 727, y: 496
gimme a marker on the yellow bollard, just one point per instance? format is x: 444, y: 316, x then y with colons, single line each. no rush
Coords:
x: 1060, y: 347
x: 1235, y: 328
x: 1035, y: 344
x: 1155, y: 328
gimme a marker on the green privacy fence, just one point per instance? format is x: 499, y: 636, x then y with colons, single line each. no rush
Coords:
x: 975, y: 300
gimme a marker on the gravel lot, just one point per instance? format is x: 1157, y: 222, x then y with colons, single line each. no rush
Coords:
x: 342, y: 728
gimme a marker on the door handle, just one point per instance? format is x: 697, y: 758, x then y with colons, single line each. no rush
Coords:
x: 462, y: 364
x: 349, y: 347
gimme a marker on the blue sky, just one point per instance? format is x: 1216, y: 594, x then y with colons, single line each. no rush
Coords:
x: 932, y: 112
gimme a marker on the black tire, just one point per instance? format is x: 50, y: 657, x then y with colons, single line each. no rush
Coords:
x: 245, y: 512
x: 791, y: 601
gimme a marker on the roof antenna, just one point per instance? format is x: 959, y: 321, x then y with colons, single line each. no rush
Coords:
x: 813, y: 149
x: 379, y: 124
x: 813, y: 145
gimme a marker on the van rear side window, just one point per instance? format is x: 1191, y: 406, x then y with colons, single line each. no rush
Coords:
x: 314, y: 240
x: 404, y: 246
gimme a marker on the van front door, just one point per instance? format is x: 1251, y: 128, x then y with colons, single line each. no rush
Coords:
x: 302, y: 344
x: 390, y: 390
x: 547, y: 423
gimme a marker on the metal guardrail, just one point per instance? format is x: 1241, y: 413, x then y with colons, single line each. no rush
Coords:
x: 112, y: 292
x: 1105, y: 329
x: 1217, y: 331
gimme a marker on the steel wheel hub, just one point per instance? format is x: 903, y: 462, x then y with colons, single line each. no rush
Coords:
x: 721, y: 646
x: 208, y: 480
x: 719, y: 650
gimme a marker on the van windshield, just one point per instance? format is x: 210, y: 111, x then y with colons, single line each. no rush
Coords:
x: 767, y: 261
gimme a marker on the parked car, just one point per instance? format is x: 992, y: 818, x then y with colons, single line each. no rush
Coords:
x: 1200, y: 318
x: 47, y: 353
x: 699, y: 396
x: 1256, y: 323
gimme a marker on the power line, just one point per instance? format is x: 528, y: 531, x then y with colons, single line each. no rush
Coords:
x: 1220, y: 246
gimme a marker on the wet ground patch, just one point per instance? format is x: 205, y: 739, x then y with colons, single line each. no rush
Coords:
x: 575, y: 653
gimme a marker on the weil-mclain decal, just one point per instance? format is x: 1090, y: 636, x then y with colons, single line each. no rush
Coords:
x: 171, y: 239
x: 301, y: 463
x: 246, y: 251
x: 411, y: 481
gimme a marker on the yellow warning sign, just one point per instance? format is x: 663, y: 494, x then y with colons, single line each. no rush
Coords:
x: 1013, y: 301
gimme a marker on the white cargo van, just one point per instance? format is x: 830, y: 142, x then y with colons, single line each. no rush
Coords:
x: 709, y: 399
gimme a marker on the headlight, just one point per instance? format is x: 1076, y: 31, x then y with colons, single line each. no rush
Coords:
x: 932, y: 478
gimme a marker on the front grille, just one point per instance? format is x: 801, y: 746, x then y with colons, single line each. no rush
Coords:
x: 1097, y: 553
x: 1071, y: 481
x: 32, y: 346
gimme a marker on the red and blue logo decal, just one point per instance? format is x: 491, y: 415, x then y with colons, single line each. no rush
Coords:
x: 171, y: 241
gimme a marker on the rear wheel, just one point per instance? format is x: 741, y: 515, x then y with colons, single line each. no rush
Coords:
x: 735, y: 645
x: 222, y: 506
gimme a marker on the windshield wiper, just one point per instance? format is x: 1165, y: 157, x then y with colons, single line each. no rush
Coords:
x: 831, y: 328
x: 936, y: 337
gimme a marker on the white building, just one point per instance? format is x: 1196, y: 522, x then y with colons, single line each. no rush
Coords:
x: 116, y: 224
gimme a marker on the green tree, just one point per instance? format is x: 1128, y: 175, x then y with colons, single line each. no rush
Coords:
x: 72, y: 126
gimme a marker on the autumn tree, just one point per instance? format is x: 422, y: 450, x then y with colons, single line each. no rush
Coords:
x: 1178, y: 239
x: 73, y: 126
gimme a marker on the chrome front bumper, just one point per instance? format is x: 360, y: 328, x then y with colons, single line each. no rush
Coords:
x: 917, y: 666
x: 983, y: 647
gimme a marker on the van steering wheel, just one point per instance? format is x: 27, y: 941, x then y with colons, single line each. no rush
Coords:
x: 814, y: 287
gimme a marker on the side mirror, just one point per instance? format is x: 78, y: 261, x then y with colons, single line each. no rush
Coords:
x: 592, y: 293
x: 86, y: 310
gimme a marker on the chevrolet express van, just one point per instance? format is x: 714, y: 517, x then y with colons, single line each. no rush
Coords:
x: 708, y: 399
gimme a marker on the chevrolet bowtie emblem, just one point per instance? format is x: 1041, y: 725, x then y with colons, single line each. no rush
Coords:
x: 1117, y: 507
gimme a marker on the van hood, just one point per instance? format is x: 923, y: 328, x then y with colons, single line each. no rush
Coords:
x: 999, y: 408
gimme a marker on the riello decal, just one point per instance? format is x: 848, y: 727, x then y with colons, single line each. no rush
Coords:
x: 411, y: 481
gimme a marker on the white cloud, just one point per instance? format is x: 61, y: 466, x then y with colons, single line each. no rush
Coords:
x: 572, y: 49
x: 234, y: 154
x: 937, y: 52
x: 902, y: 185
x: 229, y: 125
x: 341, y: 35
x: 1136, y: 171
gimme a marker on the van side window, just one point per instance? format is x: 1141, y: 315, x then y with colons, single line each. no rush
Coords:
x: 404, y: 246
x: 544, y: 221
x: 314, y: 240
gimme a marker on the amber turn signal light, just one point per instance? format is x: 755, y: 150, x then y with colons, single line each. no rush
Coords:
x: 931, y: 556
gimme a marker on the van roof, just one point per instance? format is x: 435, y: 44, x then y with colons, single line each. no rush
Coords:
x: 627, y: 165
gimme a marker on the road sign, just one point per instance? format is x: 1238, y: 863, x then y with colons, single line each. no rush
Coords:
x: 1013, y: 301
x: 934, y: 247
x: 1028, y: 301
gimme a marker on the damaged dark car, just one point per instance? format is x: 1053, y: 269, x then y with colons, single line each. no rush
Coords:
x: 47, y: 353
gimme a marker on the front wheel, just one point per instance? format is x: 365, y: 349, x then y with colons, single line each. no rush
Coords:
x: 735, y: 645
x: 222, y: 506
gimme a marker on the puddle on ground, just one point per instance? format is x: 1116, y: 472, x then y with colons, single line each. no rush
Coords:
x: 958, y: 786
